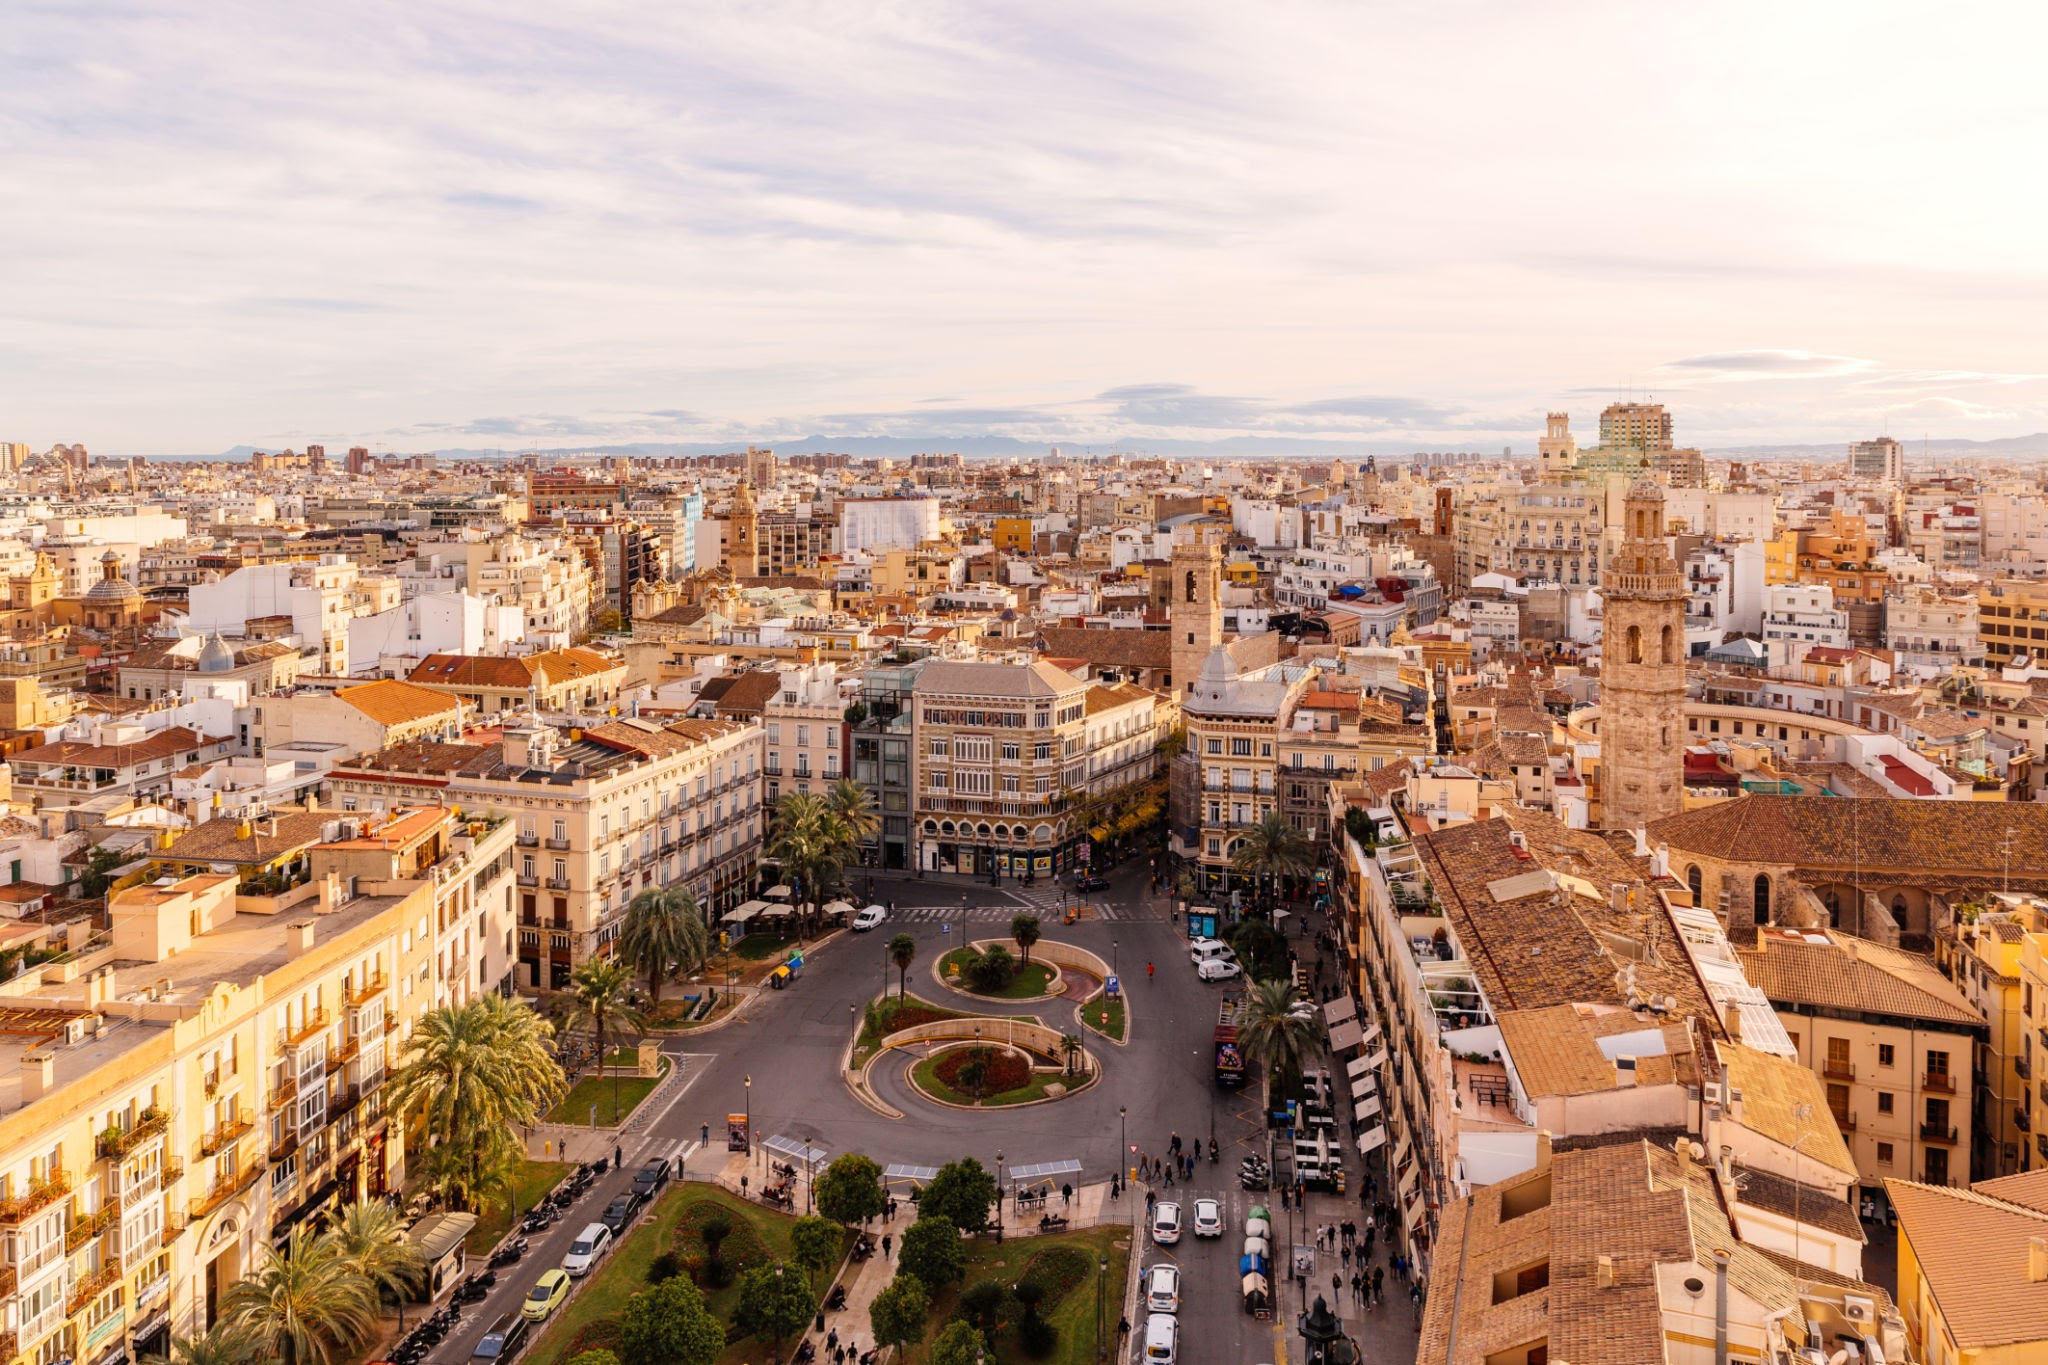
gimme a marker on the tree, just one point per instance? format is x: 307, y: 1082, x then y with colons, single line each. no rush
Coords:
x: 902, y: 952
x: 664, y: 936
x: 811, y: 842
x: 989, y: 972
x: 850, y: 1189
x: 99, y: 870
x: 306, y: 1304
x: 599, y: 1357
x: 854, y: 804
x: 372, y: 1237
x: 668, y: 1324
x: 773, y: 1303
x: 601, y: 992
x: 959, y: 1343
x: 1260, y: 947
x: 607, y: 622
x: 473, y: 1074
x: 932, y: 1251
x: 1070, y: 1050
x: 1024, y: 929
x: 897, y: 1316
x: 223, y: 1345
x: 1274, y: 847
x: 985, y: 1304
x: 974, y: 1071
x: 712, y: 1232
x: 963, y: 1190
x: 1273, y: 1031
x: 814, y: 1242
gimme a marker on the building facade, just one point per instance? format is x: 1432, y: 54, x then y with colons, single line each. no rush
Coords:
x: 1642, y: 673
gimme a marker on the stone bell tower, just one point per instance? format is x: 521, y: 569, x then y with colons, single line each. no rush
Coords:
x: 1197, y: 610
x: 1642, y: 672
x: 742, y: 553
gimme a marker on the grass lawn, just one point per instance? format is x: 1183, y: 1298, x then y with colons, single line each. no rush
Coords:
x: 530, y: 1181
x: 756, y: 947
x: 623, y: 1056
x: 1027, y: 983
x: 671, y: 1011
x: 605, y: 1092
x: 1092, y: 1015
x: 624, y: 1272
x: 924, y: 1076
x: 1074, y: 1315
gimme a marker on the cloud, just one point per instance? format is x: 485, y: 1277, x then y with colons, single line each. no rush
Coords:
x: 1738, y: 365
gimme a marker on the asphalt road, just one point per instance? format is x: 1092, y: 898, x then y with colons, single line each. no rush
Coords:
x: 790, y: 1044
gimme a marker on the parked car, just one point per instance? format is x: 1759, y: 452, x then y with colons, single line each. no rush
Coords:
x: 620, y: 1212
x: 585, y: 1250
x: 1162, y: 1339
x: 1208, y: 1218
x: 1208, y: 950
x: 1166, y: 1223
x: 1162, y: 1289
x: 546, y: 1295
x: 870, y: 918
x: 1219, y: 968
x: 503, y: 1341
x: 649, y: 1179
x: 1091, y: 883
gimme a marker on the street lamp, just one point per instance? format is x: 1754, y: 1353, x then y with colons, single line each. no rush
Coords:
x: 1123, y: 1146
x: 750, y: 1116
x: 999, y: 1189
x: 1112, y: 957
x: 963, y: 919
x: 1101, y: 1276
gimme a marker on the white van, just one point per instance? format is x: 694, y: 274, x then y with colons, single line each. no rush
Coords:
x: 1162, y: 1339
x: 584, y: 1251
x: 1210, y: 950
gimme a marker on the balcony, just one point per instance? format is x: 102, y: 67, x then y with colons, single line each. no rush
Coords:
x: 1935, y: 1132
x: 1846, y: 1122
x: 2023, y: 1067
x: 315, y: 1024
x: 225, y: 1190
x: 39, y: 1196
x: 210, y: 1082
x: 227, y: 1134
x: 174, y: 1171
x: 115, y: 1143
x: 557, y: 883
x: 84, y: 1230
x: 2021, y: 1121
x: 526, y: 838
x: 285, y: 1146
x: 1941, y: 1082
x: 347, y: 1053
x: 94, y: 1285
x: 284, y: 1094
x: 344, y: 1101
x: 558, y: 845
x: 528, y: 878
x: 1839, y: 1071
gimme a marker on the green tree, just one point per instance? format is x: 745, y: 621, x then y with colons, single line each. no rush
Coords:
x: 854, y: 804
x: 598, y: 1357
x: 668, y: 1324
x: 1260, y: 947
x: 305, y: 1304
x: 773, y: 1303
x: 902, y: 952
x: 1025, y: 929
x: 963, y: 1190
x: 470, y: 1076
x: 932, y: 1250
x: 222, y: 1345
x: 897, y: 1316
x: 1274, y: 848
x: 1070, y: 1051
x: 986, y: 1304
x: 664, y: 936
x: 607, y: 621
x: 815, y: 1242
x: 959, y: 1343
x: 601, y: 994
x: 811, y: 842
x: 712, y: 1232
x: 372, y: 1237
x: 989, y: 972
x: 850, y: 1189
x: 99, y: 870
x: 1273, y: 1031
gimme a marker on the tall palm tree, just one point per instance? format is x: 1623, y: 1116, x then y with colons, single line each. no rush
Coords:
x: 220, y: 1345
x: 811, y: 842
x: 304, y: 1305
x: 371, y: 1236
x: 602, y: 991
x: 902, y: 952
x: 1024, y: 929
x: 1276, y: 848
x: 1274, y: 1031
x: 472, y: 1073
x: 664, y: 935
x: 854, y: 804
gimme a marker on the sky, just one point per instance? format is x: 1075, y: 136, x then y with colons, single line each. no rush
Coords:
x: 1365, y: 226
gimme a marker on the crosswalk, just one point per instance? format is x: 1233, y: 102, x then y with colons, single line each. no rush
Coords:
x: 676, y: 1151
x: 1045, y: 904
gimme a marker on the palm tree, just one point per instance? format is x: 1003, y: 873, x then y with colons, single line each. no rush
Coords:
x: 1276, y: 848
x: 603, y: 995
x: 664, y: 935
x: 1273, y: 1030
x: 810, y: 841
x: 474, y: 1073
x: 854, y: 804
x: 1070, y: 1050
x: 371, y: 1236
x: 304, y: 1305
x: 902, y: 952
x: 220, y: 1345
x: 1024, y: 929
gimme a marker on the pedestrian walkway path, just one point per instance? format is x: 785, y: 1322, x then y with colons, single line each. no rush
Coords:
x: 1044, y: 903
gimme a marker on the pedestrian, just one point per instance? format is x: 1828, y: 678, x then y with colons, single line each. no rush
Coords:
x: 1336, y: 1286
x: 1169, y: 1180
x: 619, y: 1157
x: 1358, y: 1288
x: 704, y: 1137
x: 832, y: 1340
x: 885, y: 1246
x: 1066, y: 1194
x: 1115, y: 1188
x: 1370, y: 1235
x: 1379, y: 1280
x: 1173, y: 1145
x: 1150, y: 1200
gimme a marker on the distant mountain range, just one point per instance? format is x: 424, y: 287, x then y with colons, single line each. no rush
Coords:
x: 1275, y: 447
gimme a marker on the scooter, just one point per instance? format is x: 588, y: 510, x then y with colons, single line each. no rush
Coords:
x: 508, y: 1254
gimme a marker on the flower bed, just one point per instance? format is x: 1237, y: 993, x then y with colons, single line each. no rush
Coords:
x: 740, y: 1252
x: 1003, y: 1071
x: 1059, y: 1271
x: 602, y: 1335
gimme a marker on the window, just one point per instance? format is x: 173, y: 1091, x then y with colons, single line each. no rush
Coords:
x: 938, y: 747
x: 1241, y: 748
x: 1884, y: 1054
x: 1884, y: 1101
x: 1884, y: 1154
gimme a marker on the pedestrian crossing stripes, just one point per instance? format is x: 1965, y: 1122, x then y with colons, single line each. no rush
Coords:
x: 677, y: 1151
x: 941, y: 914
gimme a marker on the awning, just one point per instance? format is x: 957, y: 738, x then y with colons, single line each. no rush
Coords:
x: 776, y: 912
x: 837, y: 908
x: 1358, y: 1066
x: 745, y: 912
x: 437, y: 1234
x: 778, y: 893
x: 1368, y: 1106
x: 1412, y: 1214
x: 1375, y: 1059
x: 796, y: 1149
x: 915, y: 1175
x: 1371, y: 1139
x: 1338, y: 1010
x: 1345, y: 1035
x: 1045, y: 1170
x: 1363, y: 1086
x: 1372, y: 1035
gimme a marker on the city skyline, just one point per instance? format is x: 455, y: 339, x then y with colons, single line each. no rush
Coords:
x: 1137, y: 225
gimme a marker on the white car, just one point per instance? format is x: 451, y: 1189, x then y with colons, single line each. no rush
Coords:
x: 1162, y: 1289
x: 584, y: 1251
x: 1166, y: 1223
x: 1201, y: 948
x: 1208, y: 1218
x: 1219, y: 969
x: 869, y: 918
x: 1162, y: 1339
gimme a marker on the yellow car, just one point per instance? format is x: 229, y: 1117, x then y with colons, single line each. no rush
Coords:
x: 546, y: 1295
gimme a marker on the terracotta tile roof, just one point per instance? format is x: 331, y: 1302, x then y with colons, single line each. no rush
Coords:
x: 744, y: 694
x: 391, y: 702
x: 1112, y: 648
x: 1945, y: 840
x: 1556, y: 1050
x: 1973, y: 1250
x: 1831, y: 970
x: 1807, y: 1203
x: 1102, y: 698
x: 1774, y: 1091
x: 427, y: 757
x: 508, y: 672
x: 163, y: 744
x: 2028, y: 1189
x: 222, y: 841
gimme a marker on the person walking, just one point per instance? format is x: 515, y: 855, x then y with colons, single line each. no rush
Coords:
x: 1379, y: 1281
x: 885, y: 1246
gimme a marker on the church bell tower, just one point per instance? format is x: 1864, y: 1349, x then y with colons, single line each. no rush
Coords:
x: 1197, y: 610
x: 1642, y: 672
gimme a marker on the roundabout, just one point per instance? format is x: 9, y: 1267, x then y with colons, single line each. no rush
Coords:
x: 974, y: 1075
x: 960, y: 1060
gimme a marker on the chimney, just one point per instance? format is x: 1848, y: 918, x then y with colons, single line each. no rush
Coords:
x: 1617, y: 897
x: 300, y: 936
x: 1624, y: 1072
x: 38, y: 1075
x: 2037, y: 1259
x: 1733, y: 1023
x: 1603, y: 1274
x: 1724, y: 1159
x: 1543, y: 1149
x: 1642, y: 843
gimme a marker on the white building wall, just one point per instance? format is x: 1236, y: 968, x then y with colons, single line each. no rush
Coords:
x: 886, y: 523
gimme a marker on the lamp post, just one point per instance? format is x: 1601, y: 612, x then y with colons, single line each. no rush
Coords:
x: 1101, y: 1277
x: 999, y: 1190
x: 778, y: 1291
x: 1112, y: 957
x: 963, y: 919
x: 750, y: 1116
x: 1123, y: 1146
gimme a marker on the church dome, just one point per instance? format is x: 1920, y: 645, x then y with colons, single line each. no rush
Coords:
x: 112, y: 588
x: 216, y: 655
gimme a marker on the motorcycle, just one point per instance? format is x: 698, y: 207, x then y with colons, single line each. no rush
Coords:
x: 508, y: 1254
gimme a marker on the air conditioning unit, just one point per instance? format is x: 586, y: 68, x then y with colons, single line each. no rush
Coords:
x: 1858, y: 1308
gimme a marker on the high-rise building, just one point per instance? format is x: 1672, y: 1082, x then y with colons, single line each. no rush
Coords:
x: 1635, y: 426
x: 1642, y: 671
x: 1882, y: 460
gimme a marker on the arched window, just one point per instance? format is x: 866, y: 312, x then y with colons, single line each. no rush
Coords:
x: 1635, y: 644
x: 1670, y: 645
x: 1191, y: 585
x: 1763, y: 899
x: 1693, y: 880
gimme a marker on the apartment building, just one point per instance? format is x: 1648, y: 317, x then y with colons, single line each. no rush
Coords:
x: 571, y: 681
x: 546, y: 578
x: 804, y: 719
x: 1892, y: 1041
x: 880, y: 742
x: 121, y: 759
x: 601, y: 814
x: 1973, y: 1270
x: 997, y: 748
x: 1802, y: 617
x: 1932, y: 634
x: 1983, y: 954
x: 2012, y: 620
x: 1227, y: 779
x: 177, y: 1100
